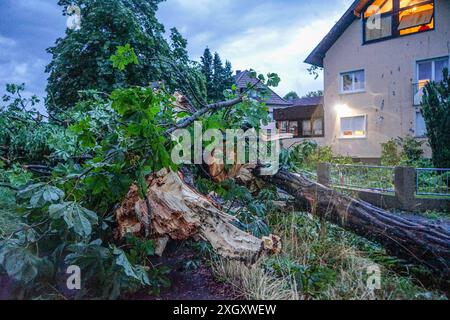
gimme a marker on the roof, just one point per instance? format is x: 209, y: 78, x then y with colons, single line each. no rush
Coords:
x: 309, y: 101
x: 244, y: 77
x: 318, y: 54
x: 304, y: 108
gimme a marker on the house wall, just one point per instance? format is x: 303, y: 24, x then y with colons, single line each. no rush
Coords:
x: 390, y: 71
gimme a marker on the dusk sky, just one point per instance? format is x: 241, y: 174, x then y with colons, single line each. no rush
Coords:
x: 266, y: 35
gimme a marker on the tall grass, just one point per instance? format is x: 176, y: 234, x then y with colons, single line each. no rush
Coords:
x: 319, y: 261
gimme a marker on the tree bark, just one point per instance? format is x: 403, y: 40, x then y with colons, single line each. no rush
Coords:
x: 172, y: 209
x: 417, y: 240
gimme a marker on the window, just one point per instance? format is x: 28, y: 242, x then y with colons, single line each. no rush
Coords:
x: 309, y: 128
x: 353, y: 127
x: 378, y: 20
x: 393, y: 18
x: 353, y: 82
x: 283, y: 126
x: 318, y: 127
x: 428, y: 70
x: 306, y: 128
x: 293, y: 128
x: 421, y: 128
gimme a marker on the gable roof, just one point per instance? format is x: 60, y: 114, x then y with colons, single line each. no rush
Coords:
x: 242, y: 78
x: 304, y: 108
x: 318, y: 54
x: 309, y: 101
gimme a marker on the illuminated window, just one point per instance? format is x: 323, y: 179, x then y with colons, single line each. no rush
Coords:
x: 353, y: 127
x: 392, y: 18
x: 354, y: 81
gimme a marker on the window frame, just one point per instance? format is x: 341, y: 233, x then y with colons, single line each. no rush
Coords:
x: 300, y: 127
x: 394, y: 14
x: 353, y: 72
x: 343, y: 137
x: 433, y: 66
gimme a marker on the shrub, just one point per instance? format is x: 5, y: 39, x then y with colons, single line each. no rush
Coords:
x: 389, y: 153
x: 412, y: 150
x: 436, y: 112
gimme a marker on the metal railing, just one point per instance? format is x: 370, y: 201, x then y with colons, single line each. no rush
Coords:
x: 433, y: 182
x: 376, y: 178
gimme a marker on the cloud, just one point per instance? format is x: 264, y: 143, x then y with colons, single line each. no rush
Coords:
x: 6, y: 42
x: 268, y: 36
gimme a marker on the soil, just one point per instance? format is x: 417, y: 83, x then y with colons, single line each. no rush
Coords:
x: 191, y: 279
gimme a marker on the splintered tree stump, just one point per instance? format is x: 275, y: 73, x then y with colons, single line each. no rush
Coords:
x: 172, y: 209
x: 417, y: 240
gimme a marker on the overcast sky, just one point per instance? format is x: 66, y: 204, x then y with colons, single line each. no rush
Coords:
x: 266, y: 35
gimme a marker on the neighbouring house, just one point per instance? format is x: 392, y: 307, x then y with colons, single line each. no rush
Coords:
x: 376, y: 61
x: 304, y: 119
x: 273, y: 101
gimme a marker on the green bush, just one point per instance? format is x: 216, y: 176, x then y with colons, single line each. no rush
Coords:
x: 389, y: 153
x: 436, y: 112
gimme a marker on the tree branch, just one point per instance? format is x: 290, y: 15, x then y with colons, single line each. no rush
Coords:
x: 212, y: 107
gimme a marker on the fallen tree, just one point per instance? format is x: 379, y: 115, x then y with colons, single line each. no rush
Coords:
x: 173, y: 209
x: 417, y: 240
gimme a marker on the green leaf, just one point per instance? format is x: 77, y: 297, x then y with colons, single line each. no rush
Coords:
x: 77, y: 218
x: 20, y: 264
x: 122, y: 261
x: 41, y: 194
x: 124, y: 56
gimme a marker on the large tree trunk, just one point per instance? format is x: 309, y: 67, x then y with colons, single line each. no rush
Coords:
x: 418, y: 240
x: 172, y: 209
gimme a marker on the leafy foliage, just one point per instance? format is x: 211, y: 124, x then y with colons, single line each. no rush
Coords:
x: 291, y: 96
x: 218, y: 77
x: 318, y: 93
x: 92, y: 154
x: 124, y: 56
x: 436, y: 112
x: 406, y: 151
x: 82, y: 59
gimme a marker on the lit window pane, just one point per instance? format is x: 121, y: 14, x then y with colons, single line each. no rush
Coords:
x: 415, y: 18
x: 407, y: 3
x: 353, y: 126
x: 380, y: 7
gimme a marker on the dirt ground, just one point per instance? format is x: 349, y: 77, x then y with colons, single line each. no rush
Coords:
x: 190, y: 278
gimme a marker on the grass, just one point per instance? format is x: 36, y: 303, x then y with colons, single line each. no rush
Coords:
x: 320, y: 262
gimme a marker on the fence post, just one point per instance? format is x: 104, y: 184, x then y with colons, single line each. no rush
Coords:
x: 405, y: 187
x: 324, y: 174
